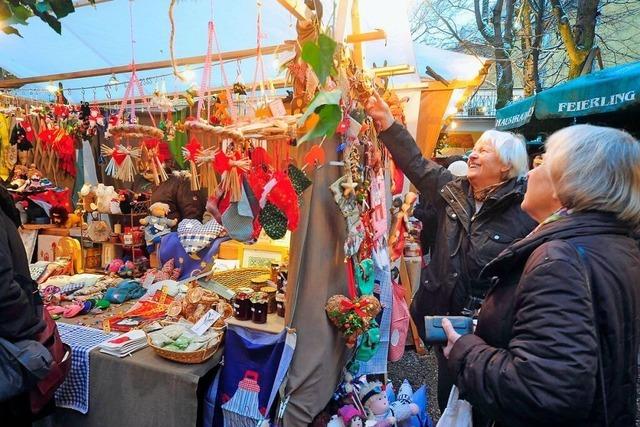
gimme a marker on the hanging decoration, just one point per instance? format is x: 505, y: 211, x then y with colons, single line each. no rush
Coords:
x: 190, y: 152
x: 151, y: 149
x: 121, y: 166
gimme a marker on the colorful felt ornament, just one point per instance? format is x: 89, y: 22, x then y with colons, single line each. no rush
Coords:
x: 315, y: 156
x: 190, y: 152
x: 121, y: 166
x: 352, y: 317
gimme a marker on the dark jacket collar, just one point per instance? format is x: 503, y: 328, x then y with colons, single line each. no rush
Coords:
x: 459, y: 190
x: 575, y: 225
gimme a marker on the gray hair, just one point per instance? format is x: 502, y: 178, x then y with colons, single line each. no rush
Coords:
x: 511, y: 150
x: 596, y: 168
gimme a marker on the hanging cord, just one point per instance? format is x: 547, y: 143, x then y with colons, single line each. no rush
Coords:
x: 172, y: 36
x: 259, y: 61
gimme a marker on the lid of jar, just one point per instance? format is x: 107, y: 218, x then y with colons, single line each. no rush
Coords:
x: 268, y: 289
x: 259, y: 298
x: 260, y: 279
x: 244, y: 293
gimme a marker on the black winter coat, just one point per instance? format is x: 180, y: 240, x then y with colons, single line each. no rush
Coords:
x: 20, y: 313
x: 534, y: 357
x: 465, y: 240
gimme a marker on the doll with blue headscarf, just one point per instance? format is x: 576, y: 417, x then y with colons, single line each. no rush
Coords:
x: 157, y: 224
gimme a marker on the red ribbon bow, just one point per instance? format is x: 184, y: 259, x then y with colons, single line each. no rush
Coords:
x: 347, y: 305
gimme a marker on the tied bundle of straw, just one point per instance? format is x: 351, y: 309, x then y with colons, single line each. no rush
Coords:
x: 121, y: 166
x: 208, y: 177
x: 191, y: 151
x: 151, y: 148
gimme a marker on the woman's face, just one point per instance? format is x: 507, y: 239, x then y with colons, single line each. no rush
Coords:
x: 540, y: 200
x: 485, y: 166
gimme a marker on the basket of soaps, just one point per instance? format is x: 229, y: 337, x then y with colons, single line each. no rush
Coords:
x: 179, y: 343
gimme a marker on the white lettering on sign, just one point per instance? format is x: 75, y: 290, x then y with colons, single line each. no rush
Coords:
x: 602, y: 101
x: 514, y: 119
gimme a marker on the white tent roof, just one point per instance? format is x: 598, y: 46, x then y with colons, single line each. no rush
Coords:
x: 99, y: 37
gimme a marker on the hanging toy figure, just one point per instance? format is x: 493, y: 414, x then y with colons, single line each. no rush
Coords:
x: 401, y: 224
x: 151, y: 148
x: 157, y: 224
x: 121, y: 166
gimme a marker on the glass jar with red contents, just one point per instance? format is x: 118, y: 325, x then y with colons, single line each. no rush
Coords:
x: 271, y: 295
x: 259, y: 307
x: 242, y: 304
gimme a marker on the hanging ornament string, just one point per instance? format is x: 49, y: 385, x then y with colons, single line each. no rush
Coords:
x: 259, y: 62
x: 134, y: 82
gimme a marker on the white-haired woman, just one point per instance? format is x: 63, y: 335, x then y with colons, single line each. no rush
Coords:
x: 477, y: 217
x: 557, y: 337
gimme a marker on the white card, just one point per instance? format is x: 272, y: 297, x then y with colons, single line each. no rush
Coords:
x: 205, y: 322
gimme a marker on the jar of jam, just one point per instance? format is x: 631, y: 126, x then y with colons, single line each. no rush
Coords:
x: 259, y: 307
x: 280, y: 304
x: 275, y: 269
x: 242, y: 304
x: 271, y: 295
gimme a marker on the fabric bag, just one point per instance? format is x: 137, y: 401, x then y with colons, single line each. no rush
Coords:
x: 399, y: 323
x: 457, y: 413
x: 22, y: 364
x: 60, y: 366
x: 239, y: 216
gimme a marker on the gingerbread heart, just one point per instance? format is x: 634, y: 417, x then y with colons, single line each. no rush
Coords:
x: 352, y: 317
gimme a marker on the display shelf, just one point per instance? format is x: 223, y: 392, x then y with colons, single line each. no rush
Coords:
x: 38, y: 226
x: 274, y: 325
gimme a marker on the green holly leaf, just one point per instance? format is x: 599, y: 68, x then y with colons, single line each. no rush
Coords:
x: 11, y: 30
x: 20, y: 14
x: 321, y: 98
x: 320, y: 56
x: 61, y: 8
x: 330, y: 116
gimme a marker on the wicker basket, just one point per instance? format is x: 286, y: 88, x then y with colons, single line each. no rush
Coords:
x: 193, y: 357
x: 240, y: 277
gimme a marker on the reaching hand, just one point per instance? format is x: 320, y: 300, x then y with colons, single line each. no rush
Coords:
x: 452, y: 336
x: 379, y: 112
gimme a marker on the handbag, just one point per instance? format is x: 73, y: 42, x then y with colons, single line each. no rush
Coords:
x: 60, y: 365
x: 457, y: 413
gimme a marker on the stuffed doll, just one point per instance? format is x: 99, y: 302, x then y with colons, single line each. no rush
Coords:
x: 351, y: 416
x: 157, y: 224
x: 88, y: 198
x: 401, y: 225
x: 59, y: 215
x: 105, y: 194
x: 74, y: 219
x: 376, y: 403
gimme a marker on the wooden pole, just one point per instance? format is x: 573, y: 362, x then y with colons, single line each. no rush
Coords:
x: 297, y: 8
x: 408, y: 292
x: 226, y: 56
x: 355, y: 29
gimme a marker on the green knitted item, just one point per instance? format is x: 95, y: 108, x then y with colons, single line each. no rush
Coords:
x: 298, y: 179
x: 273, y: 221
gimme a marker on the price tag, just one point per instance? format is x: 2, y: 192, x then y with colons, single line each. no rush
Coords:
x: 205, y: 322
x: 106, y: 326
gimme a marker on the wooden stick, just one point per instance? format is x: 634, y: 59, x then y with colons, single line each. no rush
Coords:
x: 406, y: 284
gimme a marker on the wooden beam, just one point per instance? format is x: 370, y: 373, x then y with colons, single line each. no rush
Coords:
x: 367, y: 37
x: 340, y: 27
x: 277, y: 84
x: 358, y: 57
x: 297, y: 8
x: 226, y: 56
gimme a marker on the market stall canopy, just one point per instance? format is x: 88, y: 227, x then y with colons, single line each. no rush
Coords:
x: 605, y: 91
